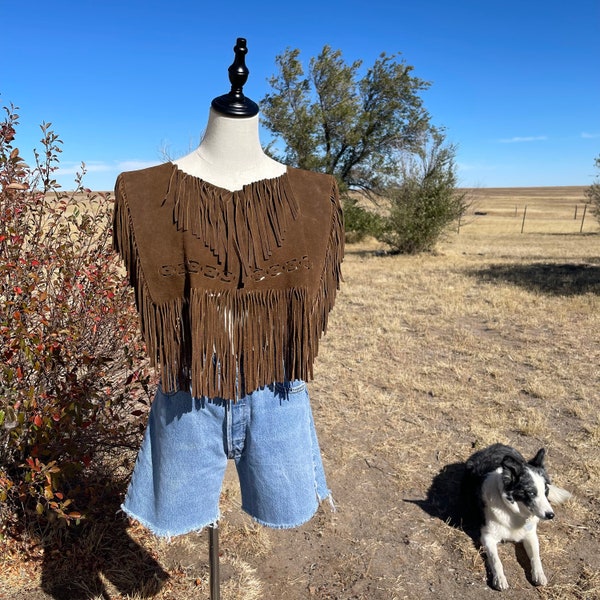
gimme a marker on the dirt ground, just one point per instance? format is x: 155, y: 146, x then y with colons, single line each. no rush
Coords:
x: 495, y: 337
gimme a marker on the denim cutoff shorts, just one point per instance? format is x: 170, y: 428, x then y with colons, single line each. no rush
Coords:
x: 270, y: 433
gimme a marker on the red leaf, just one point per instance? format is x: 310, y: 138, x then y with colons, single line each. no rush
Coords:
x: 37, y: 421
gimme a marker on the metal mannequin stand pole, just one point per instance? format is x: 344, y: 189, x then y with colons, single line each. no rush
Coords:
x: 213, y: 555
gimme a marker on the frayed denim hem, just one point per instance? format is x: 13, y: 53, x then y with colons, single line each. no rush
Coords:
x: 332, y: 507
x: 279, y: 525
x: 167, y: 533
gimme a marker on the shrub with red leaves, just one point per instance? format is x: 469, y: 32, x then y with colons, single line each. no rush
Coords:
x: 70, y: 355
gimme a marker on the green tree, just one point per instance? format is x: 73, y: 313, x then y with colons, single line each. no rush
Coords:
x: 337, y: 122
x: 593, y: 192
x: 370, y: 129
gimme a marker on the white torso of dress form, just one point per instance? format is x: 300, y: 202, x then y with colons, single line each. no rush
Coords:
x: 230, y: 155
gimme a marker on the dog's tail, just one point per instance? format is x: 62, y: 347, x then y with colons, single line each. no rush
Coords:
x: 557, y: 495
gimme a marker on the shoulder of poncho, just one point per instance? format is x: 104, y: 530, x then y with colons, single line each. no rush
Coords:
x: 146, y: 178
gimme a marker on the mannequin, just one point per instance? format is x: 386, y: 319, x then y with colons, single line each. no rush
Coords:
x: 230, y: 154
x: 235, y: 260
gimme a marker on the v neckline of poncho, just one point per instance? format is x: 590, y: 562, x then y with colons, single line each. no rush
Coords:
x: 249, y: 223
x: 223, y: 191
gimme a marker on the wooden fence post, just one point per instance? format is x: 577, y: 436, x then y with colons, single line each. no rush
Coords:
x: 583, y: 217
x: 524, y: 215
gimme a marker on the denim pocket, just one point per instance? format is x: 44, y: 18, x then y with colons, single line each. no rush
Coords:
x: 290, y: 387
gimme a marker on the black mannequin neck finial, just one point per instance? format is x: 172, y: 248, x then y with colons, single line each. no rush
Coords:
x: 235, y: 104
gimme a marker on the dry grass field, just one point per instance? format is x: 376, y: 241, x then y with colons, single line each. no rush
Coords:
x: 494, y: 337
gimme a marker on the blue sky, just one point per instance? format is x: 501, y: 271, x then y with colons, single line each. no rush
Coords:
x: 516, y: 84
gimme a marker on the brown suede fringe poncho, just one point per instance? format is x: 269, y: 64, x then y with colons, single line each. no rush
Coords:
x: 233, y: 288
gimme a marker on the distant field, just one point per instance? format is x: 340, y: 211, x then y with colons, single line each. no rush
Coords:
x: 545, y: 195
x: 546, y: 209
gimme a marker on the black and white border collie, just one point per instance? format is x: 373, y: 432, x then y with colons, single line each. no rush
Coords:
x: 512, y: 495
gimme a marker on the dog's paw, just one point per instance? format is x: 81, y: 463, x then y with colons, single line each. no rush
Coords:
x: 499, y: 582
x: 538, y: 578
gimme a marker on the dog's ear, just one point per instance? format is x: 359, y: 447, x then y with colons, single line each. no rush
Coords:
x: 538, y: 459
x: 511, y: 469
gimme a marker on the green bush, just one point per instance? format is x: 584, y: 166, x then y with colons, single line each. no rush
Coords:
x: 417, y: 217
x: 593, y: 192
x: 358, y: 221
x: 70, y: 380
x: 420, y: 209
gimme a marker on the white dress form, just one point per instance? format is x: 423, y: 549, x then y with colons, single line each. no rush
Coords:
x: 230, y: 155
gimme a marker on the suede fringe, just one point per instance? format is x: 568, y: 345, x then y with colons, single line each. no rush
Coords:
x: 226, y: 344
x: 248, y: 223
